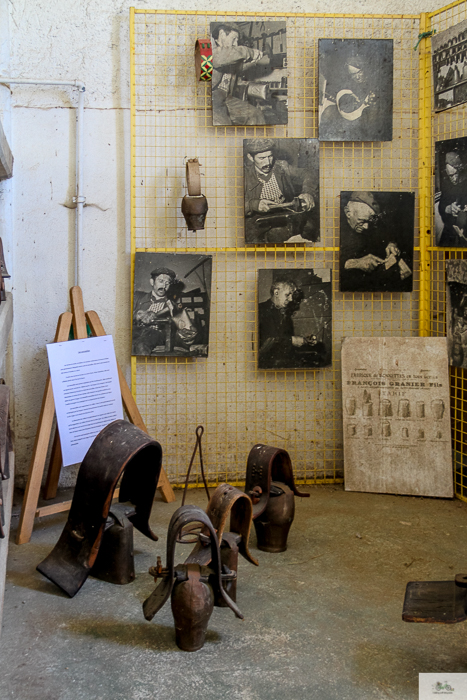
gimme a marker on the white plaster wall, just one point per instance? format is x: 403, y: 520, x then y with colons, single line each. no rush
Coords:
x: 6, y: 196
x: 86, y: 40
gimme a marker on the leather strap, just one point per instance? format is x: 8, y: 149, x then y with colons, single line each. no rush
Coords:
x: 193, y: 179
x: 267, y: 464
x: 180, y: 519
x: 203, y: 60
x: 119, y: 448
x: 226, y: 500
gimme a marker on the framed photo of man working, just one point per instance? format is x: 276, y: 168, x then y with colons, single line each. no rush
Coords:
x: 355, y: 89
x: 281, y: 181
x: 376, y: 241
x: 171, y: 304
x: 451, y: 193
x: 449, y: 54
x: 294, y: 319
x: 249, y: 79
x: 456, y: 312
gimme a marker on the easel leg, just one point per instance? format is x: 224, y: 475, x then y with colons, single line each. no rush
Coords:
x: 79, y: 332
x: 55, y: 466
x: 41, y: 444
x: 131, y: 408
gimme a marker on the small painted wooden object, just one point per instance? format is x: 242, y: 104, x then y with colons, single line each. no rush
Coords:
x: 203, y: 60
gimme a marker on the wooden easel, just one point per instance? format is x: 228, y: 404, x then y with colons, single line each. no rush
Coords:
x: 29, y: 509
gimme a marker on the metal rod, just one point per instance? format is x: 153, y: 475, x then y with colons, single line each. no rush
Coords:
x: 424, y: 175
x: 79, y: 198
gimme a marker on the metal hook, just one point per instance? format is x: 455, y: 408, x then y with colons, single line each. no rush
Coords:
x: 199, y: 434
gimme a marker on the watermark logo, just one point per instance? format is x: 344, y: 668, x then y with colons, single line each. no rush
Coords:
x: 442, y: 688
x: 432, y: 684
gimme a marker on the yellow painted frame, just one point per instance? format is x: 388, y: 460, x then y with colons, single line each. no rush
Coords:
x: 425, y: 177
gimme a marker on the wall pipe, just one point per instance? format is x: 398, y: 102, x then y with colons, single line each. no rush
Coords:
x: 79, y: 199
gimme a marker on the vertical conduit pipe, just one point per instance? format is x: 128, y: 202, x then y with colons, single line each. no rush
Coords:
x: 79, y: 199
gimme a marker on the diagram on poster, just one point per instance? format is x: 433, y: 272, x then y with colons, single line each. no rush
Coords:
x: 397, y: 431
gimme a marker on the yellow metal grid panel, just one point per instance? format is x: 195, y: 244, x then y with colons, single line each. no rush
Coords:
x: 239, y: 405
x: 448, y: 125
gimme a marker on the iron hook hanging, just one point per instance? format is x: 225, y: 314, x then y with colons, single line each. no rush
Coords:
x: 199, y: 434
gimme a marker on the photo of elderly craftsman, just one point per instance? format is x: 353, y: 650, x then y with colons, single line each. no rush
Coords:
x: 171, y: 304
x: 294, y: 319
x: 376, y: 241
x: 451, y: 193
x: 249, y: 80
x: 281, y: 181
x: 355, y: 89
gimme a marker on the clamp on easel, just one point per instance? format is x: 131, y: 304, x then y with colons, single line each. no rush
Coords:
x: 30, y: 509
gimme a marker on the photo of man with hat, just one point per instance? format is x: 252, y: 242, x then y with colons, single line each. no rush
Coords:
x: 281, y: 180
x: 172, y: 318
x: 356, y: 85
x: 451, y: 193
x: 376, y: 241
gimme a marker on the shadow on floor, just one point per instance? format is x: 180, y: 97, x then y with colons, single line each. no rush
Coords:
x: 149, y: 634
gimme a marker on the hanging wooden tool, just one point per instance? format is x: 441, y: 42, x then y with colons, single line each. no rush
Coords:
x: 30, y: 509
x: 203, y: 60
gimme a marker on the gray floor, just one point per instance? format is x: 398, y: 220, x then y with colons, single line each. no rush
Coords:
x: 322, y: 620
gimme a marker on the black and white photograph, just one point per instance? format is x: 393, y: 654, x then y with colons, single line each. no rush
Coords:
x: 171, y: 304
x: 376, y: 241
x: 449, y: 57
x: 294, y: 319
x: 451, y: 193
x: 355, y: 89
x: 249, y: 79
x: 456, y: 311
x: 281, y: 181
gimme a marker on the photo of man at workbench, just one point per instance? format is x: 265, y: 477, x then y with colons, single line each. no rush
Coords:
x: 281, y: 179
x: 249, y: 81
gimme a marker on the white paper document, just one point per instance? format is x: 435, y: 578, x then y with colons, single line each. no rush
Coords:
x: 432, y: 685
x: 86, y: 391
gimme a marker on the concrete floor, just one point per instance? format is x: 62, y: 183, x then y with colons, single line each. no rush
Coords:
x: 322, y: 620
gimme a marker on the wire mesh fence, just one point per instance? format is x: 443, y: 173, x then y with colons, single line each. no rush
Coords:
x: 238, y: 404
